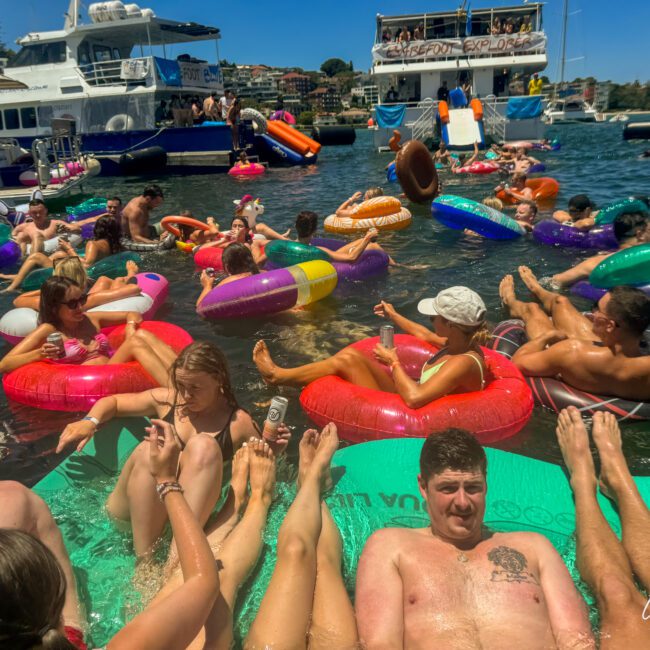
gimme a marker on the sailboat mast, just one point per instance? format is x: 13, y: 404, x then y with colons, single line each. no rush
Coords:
x: 72, y: 17
x: 563, y: 53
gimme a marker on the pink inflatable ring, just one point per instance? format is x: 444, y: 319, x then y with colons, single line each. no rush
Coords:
x: 70, y: 387
x: 246, y: 169
x: 361, y: 414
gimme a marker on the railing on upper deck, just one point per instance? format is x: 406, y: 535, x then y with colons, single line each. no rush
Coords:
x: 119, y: 72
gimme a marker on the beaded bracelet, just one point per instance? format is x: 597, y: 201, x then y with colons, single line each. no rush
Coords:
x: 164, y: 489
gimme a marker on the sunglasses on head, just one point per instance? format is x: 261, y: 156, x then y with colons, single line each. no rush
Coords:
x: 76, y: 302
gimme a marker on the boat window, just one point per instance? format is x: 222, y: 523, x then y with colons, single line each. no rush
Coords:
x: 83, y: 54
x: 44, y: 115
x: 11, y: 118
x: 2, y: 122
x: 102, y: 53
x: 28, y: 117
x: 116, y: 54
x: 39, y: 54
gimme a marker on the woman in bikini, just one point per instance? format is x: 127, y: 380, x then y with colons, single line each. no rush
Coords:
x: 458, y: 317
x: 203, y: 409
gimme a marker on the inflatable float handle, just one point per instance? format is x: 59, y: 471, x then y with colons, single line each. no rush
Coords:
x: 443, y: 112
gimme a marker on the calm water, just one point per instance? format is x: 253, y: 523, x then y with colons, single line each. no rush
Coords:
x: 593, y: 159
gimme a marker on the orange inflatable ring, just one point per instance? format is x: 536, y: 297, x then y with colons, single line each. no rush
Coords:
x: 416, y: 172
x: 544, y: 188
x: 72, y: 387
x: 170, y: 223
x: 346, y: 225
x: 380, y: 206
x: 360, y: 414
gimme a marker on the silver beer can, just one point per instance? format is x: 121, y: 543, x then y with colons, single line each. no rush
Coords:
x: 56, y: 338
x: 386, y: 335
x: 275, y: 417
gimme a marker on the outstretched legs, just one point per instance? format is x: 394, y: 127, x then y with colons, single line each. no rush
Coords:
x: 535, y: 319
x: 34, y: 260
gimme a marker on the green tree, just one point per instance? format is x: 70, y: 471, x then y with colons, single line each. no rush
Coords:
x: 332, y: 67
x: 306, y: 118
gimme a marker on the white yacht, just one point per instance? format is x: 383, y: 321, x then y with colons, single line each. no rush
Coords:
x: 570, y: 111
x: 455, y: 48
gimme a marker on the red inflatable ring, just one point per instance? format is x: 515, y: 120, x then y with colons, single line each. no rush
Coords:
x: 362, y: 414
x: 170, y: 223
x: 209, y: 258
x: 71, y: 387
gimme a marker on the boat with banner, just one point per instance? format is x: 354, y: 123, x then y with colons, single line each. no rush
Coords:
x: 113, y: 82
x: 419, y: 59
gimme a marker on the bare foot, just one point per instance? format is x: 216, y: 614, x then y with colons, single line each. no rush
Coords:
x: 574, y: 443
x: 262, y: 470
x: 613, y: 467
x: 530, y: 280
x: 307, y: 451
x: 239, y: 478
x: 132, y: 269
x: 327, y: 444
x: 507, y: 291
x: 264, y: 363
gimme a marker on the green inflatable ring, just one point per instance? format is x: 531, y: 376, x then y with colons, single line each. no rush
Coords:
x: 283, y: 253
x: 627, y: 266
x: 5, y: 233
x: 610, y: 211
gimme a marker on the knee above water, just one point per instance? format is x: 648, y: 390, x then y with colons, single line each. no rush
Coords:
x: 295, y: 547
x: 202, y: 452
x: 616, y: 592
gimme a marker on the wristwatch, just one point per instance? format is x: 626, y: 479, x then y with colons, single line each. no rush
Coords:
x: 90, y: 418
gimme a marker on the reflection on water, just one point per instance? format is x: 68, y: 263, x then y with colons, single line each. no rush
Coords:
x: 593, y: 159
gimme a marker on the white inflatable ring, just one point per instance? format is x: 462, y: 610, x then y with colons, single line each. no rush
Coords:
x: 257, y: 118
x: 120, y: 122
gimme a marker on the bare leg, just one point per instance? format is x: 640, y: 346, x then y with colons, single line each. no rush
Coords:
x: 565, y: 316
x: 22, y: 509
x: 602, y: 562
x: 347, y: 364
x: 34, y: 260
x: 333, y: 624
x: 137, y: 348
x: 618, y: 483
x: 535, y: 320
x: 37, y: 242
x: 132, y: 270
x: 101, y: 284
x: 283, y: 618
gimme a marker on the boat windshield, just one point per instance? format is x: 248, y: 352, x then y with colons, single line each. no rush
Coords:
x: 39, y: 54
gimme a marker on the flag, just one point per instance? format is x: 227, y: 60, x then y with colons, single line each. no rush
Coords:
x: 468, y: 24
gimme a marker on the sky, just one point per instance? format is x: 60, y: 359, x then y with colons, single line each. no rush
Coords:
x: 602, y: 41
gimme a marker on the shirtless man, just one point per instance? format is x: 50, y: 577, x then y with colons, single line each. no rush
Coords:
x: 525, y: 214
x: 517, y: 189
x: 522, y: 162
x: 630, y: 230
x: 38, y: 227
x: 456, y: 584
x: 443, y: 155
x: 606, y: 360
x: 135, y: 216
x: 580, y: 212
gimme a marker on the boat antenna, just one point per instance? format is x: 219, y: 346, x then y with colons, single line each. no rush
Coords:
x: 563, y: 52
x: 72, y: 15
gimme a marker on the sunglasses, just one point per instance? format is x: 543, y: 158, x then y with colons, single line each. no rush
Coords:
x: 76, y: 302
x: 595, y: 309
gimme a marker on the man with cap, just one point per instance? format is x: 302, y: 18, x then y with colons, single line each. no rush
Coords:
x: 458, y: 316
x: 580, y: 213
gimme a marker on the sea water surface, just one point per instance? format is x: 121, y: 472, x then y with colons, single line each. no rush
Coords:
x: 593, y: 160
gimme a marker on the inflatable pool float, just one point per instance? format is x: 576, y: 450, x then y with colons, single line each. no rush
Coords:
x: 544, y: 188
x: 113, y: 266
x: 171, y: 223
x: 285, y: 116
x: 496, y: 413
x: 459, y: 213
x: 165, y: 244
x: 292, y: 138
x: 17, y: 323
x: 347, y: 225
x: 609, y: 212
x: 391, y: 173
x: 269, y: 293
x: 71, y: 387
x: 586, y: 290
x: 537, y: 168
x: 627, y: 266
x: 375, y: 487
x: 258, y: 120
x: 282, y: 253
x: 415, y: 170
x: 10, y: 252
x: 185, y: 246
x: 508, y: 336
x: 553, y: 233
x: 379, y: 206
x: 206, y: 258
x: 479, y: 167
x: 246, y: 169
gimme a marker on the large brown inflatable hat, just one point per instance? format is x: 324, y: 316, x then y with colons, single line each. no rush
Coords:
x: 415, y: 169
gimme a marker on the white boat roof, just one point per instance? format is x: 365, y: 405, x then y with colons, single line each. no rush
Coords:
x: 144, y: 29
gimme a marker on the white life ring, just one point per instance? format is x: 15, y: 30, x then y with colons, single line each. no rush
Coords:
x: 120, y: 122
x: 257, y: 118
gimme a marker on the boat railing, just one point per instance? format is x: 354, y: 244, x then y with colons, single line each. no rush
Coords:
x: 119, y: 72
x: 57, y: 151
x: 495, y: 122
x: 424, y: 126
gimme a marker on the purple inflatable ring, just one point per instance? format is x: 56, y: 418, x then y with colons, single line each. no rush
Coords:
x: 553, y: 233
x: 370, y: 263
x: 587, y: 290
x: 9, y: 254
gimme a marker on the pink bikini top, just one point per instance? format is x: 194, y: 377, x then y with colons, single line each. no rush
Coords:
x: 77, y: 353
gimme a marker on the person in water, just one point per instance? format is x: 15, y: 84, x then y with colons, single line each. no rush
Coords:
x: 348, y: 208
x: 630, y: 229
x: 517, y: 190
x: 607, y: 362
x: 249, y: 209
x: 612, y: 568
x: 458, y: 317
x: 198, y: 400
x: 525, y: 214
x: 62, y: 309
x: 105, y: 242
x: 34, y: 585
x: 580, y: 213
x: 240, y: 233
x: 457, y: 584
x: 136, y: 215
x: 443, y: 155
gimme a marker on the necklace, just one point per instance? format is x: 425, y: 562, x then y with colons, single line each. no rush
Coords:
x: 461, y: 557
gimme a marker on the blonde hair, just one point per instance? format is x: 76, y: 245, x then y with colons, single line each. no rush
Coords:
x: 73, y: 269
x: 373, y: 192
x: 493, y: 202
x: 479, y: 334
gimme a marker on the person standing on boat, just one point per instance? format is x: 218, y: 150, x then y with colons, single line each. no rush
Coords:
x: 135, y: 216
x: 224, y: 104
x: 210, y: 108
x: 535, y: 85
x: 443, y: 92
x: 232, y: 120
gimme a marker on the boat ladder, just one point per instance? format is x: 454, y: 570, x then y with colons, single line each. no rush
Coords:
x: 495, y: 123
x: 424, y: 126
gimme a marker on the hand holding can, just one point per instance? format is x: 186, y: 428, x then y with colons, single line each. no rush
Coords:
x: 274, y: 418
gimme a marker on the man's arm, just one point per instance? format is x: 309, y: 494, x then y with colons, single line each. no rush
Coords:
x: 566, y: 609
x: 379, y: 600
x: 578, y: 272
x: 534, y: 359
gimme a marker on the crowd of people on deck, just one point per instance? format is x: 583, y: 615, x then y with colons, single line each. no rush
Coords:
x: 452, y: 583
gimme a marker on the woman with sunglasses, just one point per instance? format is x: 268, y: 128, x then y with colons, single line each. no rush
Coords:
x: 240, y: 233
x: 62, y: 309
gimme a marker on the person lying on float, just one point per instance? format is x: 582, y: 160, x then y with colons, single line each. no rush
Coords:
x: 517, y: 188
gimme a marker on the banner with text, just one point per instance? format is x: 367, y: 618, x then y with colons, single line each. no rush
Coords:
x: 451, y: 47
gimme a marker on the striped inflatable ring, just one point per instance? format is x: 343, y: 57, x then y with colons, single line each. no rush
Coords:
x: 397, y: 221
x: 509, y: 335
x: 379, y: 206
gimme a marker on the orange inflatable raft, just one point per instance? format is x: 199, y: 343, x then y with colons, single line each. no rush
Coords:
x: 544, y: 188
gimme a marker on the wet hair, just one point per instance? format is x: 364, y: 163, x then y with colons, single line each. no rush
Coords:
x: 306, y: 223
x: 34, y: 202
x: 32, y: 594
x: 202, y: 356
x: 626, y: 224
x: 244, y: 220
x: 531, y: 204
x: 455, y: 449
x: 373, y: 192
x: 237, y: 258
x: 479, y: 334
x: 580, y: 202
x: 115, y: 198
x: 493, y: 202
x: 72, y: 268
x: 52, y: 296
x: 629, y: 308
x: 109, y: 229
x: 153, y: 192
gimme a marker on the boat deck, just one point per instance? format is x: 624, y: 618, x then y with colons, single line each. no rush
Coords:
x: 17, y: 195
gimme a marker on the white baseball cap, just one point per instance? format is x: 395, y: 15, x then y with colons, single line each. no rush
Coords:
x: 457, y: 304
